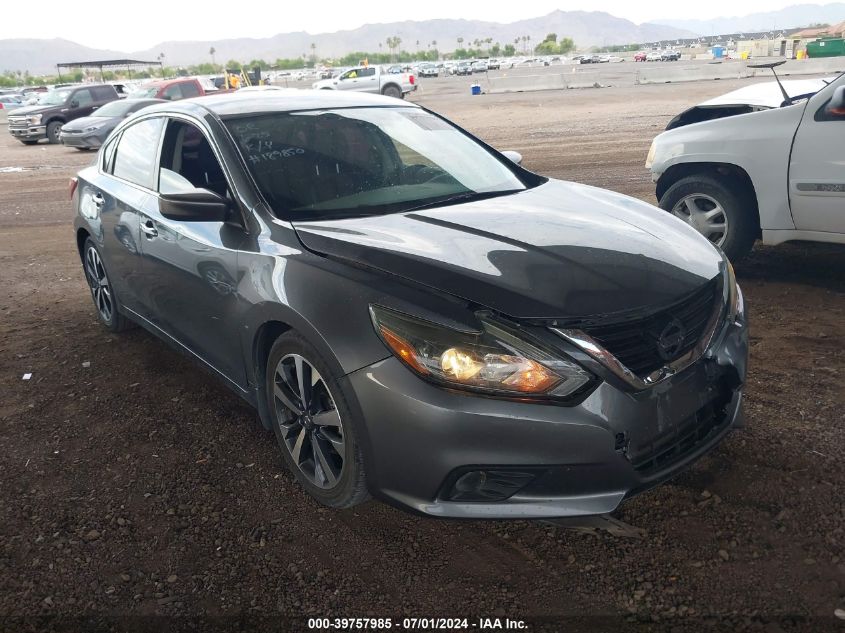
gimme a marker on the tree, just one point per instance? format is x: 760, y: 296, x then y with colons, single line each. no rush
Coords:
x: 161, y: 61
x: 566, y: 45
x: 460, y: 42
x: 211, y: 52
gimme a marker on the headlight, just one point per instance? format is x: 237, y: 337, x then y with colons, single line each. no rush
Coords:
x: 93, y: 128
x: 33, y: 119
x: 649, y: 160
x: 735, y: 301
x: 493, y: 360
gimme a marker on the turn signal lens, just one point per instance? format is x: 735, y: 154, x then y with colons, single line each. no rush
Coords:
x: 493, y: 359
x: 402, y: 349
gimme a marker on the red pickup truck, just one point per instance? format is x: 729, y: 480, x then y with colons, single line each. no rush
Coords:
x: 171, y: 89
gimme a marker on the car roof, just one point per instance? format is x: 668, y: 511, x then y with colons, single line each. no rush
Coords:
x: 167, y: 82
x: 286, y: 100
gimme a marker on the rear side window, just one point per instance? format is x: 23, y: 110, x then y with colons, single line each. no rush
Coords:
x: 103, y: 93
x: 137, y: 152
x: 189, y: 90
x: 367, y: 72
x: 172, y: 92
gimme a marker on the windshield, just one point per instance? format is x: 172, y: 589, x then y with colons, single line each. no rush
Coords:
x: 144, y: 92
x: 53, y: 97
x: 365, y: 161
x: 115, y: 108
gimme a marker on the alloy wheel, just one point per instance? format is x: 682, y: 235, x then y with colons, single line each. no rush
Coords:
x: 705, y: 215
x: 98, y: 281
x: 309, y: 421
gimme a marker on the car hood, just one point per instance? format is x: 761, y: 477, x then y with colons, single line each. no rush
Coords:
x: 34, y: 109
x: 560, y: 250
x: 766, y: 95
x: 87, y: 121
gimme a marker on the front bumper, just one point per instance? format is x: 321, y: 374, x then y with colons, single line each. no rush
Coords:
x: 90, y: 140
x: 584, y: 459
x: 28, y: 133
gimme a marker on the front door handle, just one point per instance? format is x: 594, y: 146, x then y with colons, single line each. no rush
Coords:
x: 149, y: 229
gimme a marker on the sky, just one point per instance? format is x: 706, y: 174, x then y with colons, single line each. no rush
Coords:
x: 101, y: 24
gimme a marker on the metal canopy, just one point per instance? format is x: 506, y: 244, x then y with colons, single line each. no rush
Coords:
x: 107, y: 63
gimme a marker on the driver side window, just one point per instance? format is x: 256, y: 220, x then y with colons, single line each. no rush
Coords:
x: 188, y: 162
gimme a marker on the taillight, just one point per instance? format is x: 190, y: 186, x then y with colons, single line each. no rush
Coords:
x: 1, y: 105
x: 74, y: 182
x: 411, y: 79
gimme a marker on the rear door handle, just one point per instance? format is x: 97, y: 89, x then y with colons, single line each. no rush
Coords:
x: 149, y: 229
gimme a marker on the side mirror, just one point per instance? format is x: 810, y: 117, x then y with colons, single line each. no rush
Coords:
x: 74, y: 103
x: 836, y: 106
x: 199, y: 205
x: 512, y: 156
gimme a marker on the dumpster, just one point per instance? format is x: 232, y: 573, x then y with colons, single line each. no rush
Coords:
x: 833, y: 47
x: 475, y: 89
x: 718, y: 52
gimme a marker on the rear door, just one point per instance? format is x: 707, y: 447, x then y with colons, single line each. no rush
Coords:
x: 817, y: 167
x: 115, y: 197
x: 368, y: 80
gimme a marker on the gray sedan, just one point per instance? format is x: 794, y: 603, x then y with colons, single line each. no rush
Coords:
x: 91, y: 131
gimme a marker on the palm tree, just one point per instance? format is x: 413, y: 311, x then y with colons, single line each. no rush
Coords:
x: 460, y: 42
x: 211, y: 52
x: 314, y: 53
x: 161, y: 61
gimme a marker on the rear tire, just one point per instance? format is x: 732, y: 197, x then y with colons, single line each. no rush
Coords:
x: 102, y: 292
x: 696, y: 197
x: 392, y: 91
x: 53, y: 129
x: 322, y: 431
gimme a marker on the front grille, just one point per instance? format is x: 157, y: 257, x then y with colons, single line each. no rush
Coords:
x: 641, y: 345
x: 671, y: 447
x: 17, y: 120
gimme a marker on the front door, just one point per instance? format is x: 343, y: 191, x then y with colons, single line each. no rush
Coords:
x: 817, y: 167
x: 189, y: 267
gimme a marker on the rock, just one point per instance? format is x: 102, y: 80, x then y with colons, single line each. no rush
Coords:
x: 92, y: 535
x: 172, y: 578
x: 723, y: 554
x: 125, y: 577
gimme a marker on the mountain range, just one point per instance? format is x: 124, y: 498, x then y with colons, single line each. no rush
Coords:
x: 586, y: 28
x: 794, y: 16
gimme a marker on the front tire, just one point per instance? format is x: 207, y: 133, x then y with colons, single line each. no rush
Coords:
x: 53, y: 130
x: 314, y: 425
x: 720, y: 210
x: 105, y: 300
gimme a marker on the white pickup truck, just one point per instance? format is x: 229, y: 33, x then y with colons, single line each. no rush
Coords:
x: 739, y: 169
x: 371, y: 79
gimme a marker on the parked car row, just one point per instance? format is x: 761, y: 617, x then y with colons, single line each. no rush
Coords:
x: 658, y: 56
x: 82, y: 115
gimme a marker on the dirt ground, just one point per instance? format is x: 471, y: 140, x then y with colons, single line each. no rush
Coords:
x: 133, y: 484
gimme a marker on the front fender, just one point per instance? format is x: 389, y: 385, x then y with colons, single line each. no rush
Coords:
x: 759, y: 143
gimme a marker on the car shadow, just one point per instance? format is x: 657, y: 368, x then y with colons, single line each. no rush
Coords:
x: 809, y: 263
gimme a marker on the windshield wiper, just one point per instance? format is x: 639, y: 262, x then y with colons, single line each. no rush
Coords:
x: 465, y: 196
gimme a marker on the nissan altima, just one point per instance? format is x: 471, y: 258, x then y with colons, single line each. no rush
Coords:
x: 415, y: 315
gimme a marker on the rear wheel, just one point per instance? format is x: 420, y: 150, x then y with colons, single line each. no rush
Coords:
x: 53, y: 130
x: 313, y: 423
x: 102, y: 292
x: 392, y: 91
x: 718, y: 209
